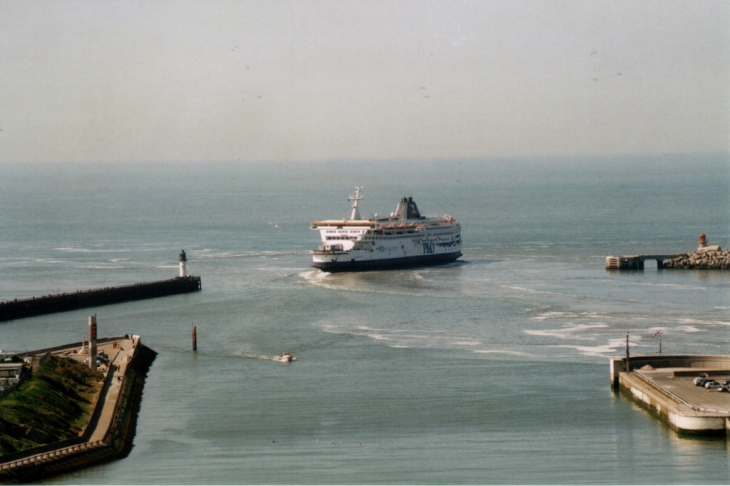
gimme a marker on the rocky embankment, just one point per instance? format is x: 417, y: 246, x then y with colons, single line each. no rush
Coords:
x: 701, y: 260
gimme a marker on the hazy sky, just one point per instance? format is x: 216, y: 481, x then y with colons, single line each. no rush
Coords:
x: 307, y: 80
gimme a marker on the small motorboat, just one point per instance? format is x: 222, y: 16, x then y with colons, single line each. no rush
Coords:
x: 287, y: 357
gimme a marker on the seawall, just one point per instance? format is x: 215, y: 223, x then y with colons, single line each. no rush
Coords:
x: 48, y: 304
x: 108, y: 435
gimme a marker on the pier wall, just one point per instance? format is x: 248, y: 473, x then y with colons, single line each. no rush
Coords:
x: 80, y: 299
x: 701, y: 362
x: 681, y: 417
x: 88, y: 449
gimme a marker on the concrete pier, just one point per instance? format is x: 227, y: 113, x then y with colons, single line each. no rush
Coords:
x: 636, y: 262
x: 663, y: 385
x: 49, y: 304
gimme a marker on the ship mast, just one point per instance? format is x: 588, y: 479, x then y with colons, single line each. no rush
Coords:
x: 356, y: 198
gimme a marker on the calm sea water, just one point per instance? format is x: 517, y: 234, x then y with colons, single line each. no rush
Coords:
x: 490, y: 370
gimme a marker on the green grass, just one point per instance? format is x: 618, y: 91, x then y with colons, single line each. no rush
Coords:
x: 57, y: 401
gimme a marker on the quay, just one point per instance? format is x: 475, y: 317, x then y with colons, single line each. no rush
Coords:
x: 111, y: 428
x: 663, y: 385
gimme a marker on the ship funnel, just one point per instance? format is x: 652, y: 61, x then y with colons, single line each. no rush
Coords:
x: 406, y: 209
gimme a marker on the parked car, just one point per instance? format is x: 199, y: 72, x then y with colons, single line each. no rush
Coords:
x: 712, y: 385
x: 98, y: 362
x: 726, y: 382
x: 724, y: 388
x: 103, y: 357
x: 699, y: 381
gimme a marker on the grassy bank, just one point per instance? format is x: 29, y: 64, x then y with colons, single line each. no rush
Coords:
x: 54, y: 405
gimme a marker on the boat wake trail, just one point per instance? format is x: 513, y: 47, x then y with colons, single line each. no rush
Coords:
x: 279, y: 357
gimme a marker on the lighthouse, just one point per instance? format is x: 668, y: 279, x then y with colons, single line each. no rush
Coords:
x: 183, y: 261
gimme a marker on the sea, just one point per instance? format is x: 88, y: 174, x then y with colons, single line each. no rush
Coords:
x: 490, y: 370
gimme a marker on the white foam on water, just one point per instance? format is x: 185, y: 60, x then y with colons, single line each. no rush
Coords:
x: 570, y: 315
x: 253, y: 254
x: 80, y: 249
x: 552, y: 315
x: 334, y: 282
x: 567, y: 332
x: 704, y: 322
x: 688, y: 329
x: 601, y: 350
x: 48, y: 260
x: 672, y: 286
x: 504, y: 351
x: 378, y: 337
x: 404, y: 338
x: 383, y: 329
x: 612, y: 347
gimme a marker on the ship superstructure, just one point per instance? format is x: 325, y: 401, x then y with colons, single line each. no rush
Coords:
x: 404, y: 239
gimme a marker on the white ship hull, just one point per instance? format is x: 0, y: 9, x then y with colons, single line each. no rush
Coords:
x: 405, y: 239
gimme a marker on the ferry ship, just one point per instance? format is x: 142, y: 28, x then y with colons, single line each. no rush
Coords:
x: 404, y: 239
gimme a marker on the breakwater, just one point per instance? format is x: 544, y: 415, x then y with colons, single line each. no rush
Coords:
x: 701, y: 260
x: 49, y: 304
x: 109, y: 433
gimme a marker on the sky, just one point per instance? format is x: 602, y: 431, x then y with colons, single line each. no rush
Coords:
x: 290, y: 80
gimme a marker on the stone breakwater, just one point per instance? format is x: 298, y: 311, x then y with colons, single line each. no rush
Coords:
x: 701, y: 260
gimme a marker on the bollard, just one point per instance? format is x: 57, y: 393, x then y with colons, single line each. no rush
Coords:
x: 195, y: 339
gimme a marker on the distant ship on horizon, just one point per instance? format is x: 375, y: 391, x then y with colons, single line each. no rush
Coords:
x: 404, y: 239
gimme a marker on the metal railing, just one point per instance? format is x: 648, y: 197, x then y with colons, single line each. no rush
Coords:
x: 676, y: 397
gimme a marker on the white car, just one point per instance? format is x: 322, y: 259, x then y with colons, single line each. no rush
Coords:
x: 98, y: 362
x: 712, y: 385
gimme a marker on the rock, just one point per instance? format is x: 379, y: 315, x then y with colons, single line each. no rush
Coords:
x: 708, y: 258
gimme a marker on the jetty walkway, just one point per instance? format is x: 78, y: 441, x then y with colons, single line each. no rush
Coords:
x: 110, y: 430
x: 636, y: 262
